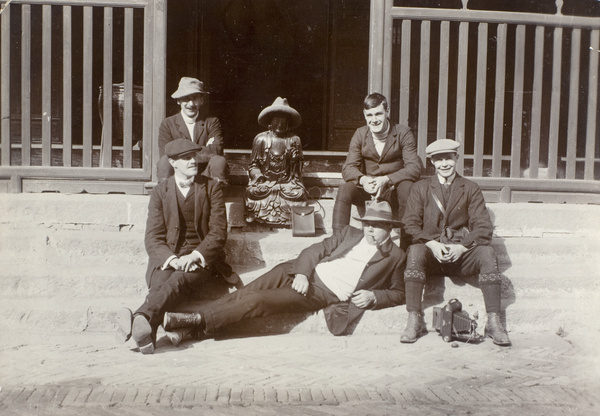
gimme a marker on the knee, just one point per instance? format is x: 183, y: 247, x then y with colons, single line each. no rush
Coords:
x: 416, y: 257
x: 487, y: 256
x: 218, y: 167
x: 345, y: 192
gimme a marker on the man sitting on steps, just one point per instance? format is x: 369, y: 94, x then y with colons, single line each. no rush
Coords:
x: 452, y: 231
x: 185, y: 235
x: 348, y: 273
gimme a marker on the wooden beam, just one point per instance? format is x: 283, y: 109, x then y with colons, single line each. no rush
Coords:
x: 424, y: 88
x: 107, y: 89
x: 376, y: 45
x: 128, y: 88
x: 480, y: 98
x: 5, y: 86
x: 592, y: 110
x: 26, y: 85
x: 517, y: 119
x: 573, y: 104
x: 405, y: 73
x: 67, y: 115
x: 553, y: 132
x: 46, y: 84
x: 442, y: 110
x: 536, y: 110
x: 498, y: 134
x: 88, y: 67
x: 461, y: 92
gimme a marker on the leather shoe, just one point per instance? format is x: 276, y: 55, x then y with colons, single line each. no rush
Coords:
x: 495, y: 330
x: 142, y: 334
x: 124, y: 320
x: 415, y: 327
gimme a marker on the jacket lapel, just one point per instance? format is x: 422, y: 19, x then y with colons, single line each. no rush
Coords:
x: 171, y: 199
x: 390, y: 141
x: 198, y: 127
x: 199, y: 197
x: 457, y: 189
x: 181, y: 127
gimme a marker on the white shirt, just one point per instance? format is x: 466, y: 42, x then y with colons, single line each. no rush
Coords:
x: 342, y: 274
x: 380, y: 139
x: 446, y: 180
x: 190, y: 123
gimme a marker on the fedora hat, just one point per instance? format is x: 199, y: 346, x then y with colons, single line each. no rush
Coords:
x: 189, y: 86
x: 279, y: 106
x: 442, y: 146
x: 180, y: 147
x: 379, y: 211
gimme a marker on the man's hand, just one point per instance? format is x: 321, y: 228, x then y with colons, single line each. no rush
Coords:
x: 189, y: 262
x: 381, y: 184
x: 363, y: 298
x: 300, y: 284
x: 455, y: 251
x: 368, y: 183
x: 440, y: 251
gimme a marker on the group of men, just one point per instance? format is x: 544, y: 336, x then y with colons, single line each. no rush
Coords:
x: 444, y: 226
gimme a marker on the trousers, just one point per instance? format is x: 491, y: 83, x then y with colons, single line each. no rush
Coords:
x: 270, y: 294
x: 481, y: 260
x: 165, y: 290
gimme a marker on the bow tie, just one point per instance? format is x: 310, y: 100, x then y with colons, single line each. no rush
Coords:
x: 185, y: 184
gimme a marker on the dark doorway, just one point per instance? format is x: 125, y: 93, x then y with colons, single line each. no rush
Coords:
x: 249, y: 52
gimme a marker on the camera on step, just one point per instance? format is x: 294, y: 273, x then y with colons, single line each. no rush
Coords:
x: 454, y: 324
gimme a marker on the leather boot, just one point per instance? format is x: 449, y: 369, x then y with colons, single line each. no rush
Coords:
x: 415, y: 327
x: 174, y: 320
x: 495, y: 330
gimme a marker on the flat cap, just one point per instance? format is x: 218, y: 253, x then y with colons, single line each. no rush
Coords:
x: 442, y: 146
x: 180, y: 147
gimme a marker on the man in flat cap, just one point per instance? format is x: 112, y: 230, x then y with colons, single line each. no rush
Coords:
x: 191, y: 123
x: 186, y: 232
x: 382, y: 164
x: 452, y: 232
x: 346, y: 274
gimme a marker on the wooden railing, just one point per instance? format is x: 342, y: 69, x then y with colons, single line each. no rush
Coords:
x: 58, y: 60
x: 519, y: 90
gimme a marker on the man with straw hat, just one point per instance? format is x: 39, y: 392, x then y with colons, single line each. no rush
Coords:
x: 192, y: 124
x: 347, y: 273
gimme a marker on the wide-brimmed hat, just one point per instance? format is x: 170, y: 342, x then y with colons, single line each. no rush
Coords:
x: 181, y: 147
x: 442, y: 146
x: 379, y: 211
x: 189, y: 86
x: 279, y: 106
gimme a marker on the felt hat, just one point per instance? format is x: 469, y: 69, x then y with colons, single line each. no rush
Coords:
x: 379, y: 211
x: 442, y: 146
x: 189, y: 86
x: 180, y: 147
x: 280, y: 106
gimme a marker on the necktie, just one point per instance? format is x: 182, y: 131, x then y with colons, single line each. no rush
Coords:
x: 185, y: 184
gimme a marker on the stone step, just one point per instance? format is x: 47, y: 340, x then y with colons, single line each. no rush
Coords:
x: 44, y: 246
x: 543, y: 313
x: 128, y: 212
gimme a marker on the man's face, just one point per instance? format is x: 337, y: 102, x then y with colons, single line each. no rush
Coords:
x: 376, y: 232
x: 190, y: 104
x: 186, y: 165
x: 445, y: 163
x: 279, y: 126
x: 377, y: 118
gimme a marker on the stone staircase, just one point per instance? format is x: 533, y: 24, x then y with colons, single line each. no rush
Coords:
x: 68, y: 262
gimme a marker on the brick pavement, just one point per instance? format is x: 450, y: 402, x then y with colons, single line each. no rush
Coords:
x: 303, y: 374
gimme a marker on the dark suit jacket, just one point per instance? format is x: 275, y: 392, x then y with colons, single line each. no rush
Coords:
x: 399, y: 159
x: 384, y: 275
x: 174, y: 127
x: 163, y: 224
x: 424, y: 221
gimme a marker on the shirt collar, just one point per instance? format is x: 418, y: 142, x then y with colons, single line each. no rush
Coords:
x: 443, y: 180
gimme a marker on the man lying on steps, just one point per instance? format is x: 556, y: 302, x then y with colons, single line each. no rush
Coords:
x: 347, y: 273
